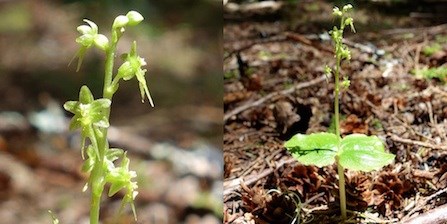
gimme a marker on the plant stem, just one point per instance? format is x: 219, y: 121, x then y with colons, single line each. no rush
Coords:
x: 98, y: 171
x: 340, y: 169
x: 94, y: 208
x: 341, y: 189
x: 110, y: 56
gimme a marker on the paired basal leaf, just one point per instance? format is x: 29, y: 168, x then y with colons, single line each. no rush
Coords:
x: 315, y: 149
x: 363, y: 153
x: 355, y: 152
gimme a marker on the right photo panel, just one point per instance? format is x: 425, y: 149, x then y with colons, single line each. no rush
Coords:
x: 335, y: 111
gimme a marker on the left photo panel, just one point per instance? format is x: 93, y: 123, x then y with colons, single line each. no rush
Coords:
x: 111, y: 112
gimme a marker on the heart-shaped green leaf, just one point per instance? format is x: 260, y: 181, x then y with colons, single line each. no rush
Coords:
x: 321, y: 140
x: 318, y: 158
x: 363, y: 153
x: 315, y: 149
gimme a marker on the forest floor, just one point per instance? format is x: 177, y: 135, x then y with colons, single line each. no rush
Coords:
x: 275, y: 87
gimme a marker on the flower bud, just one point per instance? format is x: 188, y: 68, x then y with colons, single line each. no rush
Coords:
x: 347, y: 7
x: 134, y: 18
x: 120, y: 21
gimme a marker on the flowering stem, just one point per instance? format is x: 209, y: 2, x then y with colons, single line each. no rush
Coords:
x: 98, y: 171
x: 92, y: 116
x: 340, y: 169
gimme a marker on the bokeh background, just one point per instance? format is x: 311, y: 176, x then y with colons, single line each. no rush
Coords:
x: 175, y: 147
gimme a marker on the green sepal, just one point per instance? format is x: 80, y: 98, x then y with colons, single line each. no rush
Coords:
x: 363, y: 153
x: 317, y: 149
x: 85, y: 95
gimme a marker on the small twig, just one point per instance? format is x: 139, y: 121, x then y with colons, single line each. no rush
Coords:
x: 235, y: 184
x: 419, y: 143
x: 260, y: 101
x: 435, y: 216
x: 424, y: 202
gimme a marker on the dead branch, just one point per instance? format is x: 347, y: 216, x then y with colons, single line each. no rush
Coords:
x: 235, y: 184
x: 435, y: 216
x: 270, y: 96
x: 419, y: 143
x: 424, y: 202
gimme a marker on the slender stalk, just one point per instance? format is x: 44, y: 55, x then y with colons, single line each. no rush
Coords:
x: 94, y: 208
x: 341, y: 189
x: 110, y: 57
x: 340, y: 169
x: 101, y: 138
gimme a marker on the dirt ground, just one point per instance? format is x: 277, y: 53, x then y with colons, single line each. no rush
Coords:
x: 275, y: 87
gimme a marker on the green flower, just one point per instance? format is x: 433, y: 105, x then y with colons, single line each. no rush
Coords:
x: 88, y: 112
x: 121, y: 178
x: 89, y: 36
x: 131, y: 68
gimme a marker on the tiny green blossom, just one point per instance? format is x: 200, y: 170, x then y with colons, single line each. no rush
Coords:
x: 89, y: 37
x: 132, y: 67
x: 88, y: 113
x: 121, y: 178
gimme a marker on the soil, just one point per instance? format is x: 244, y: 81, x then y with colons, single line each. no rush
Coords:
x: 275, y: 87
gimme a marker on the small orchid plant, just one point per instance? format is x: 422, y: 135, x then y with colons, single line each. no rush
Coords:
x: 356, y: 151
x: 91, y: 115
